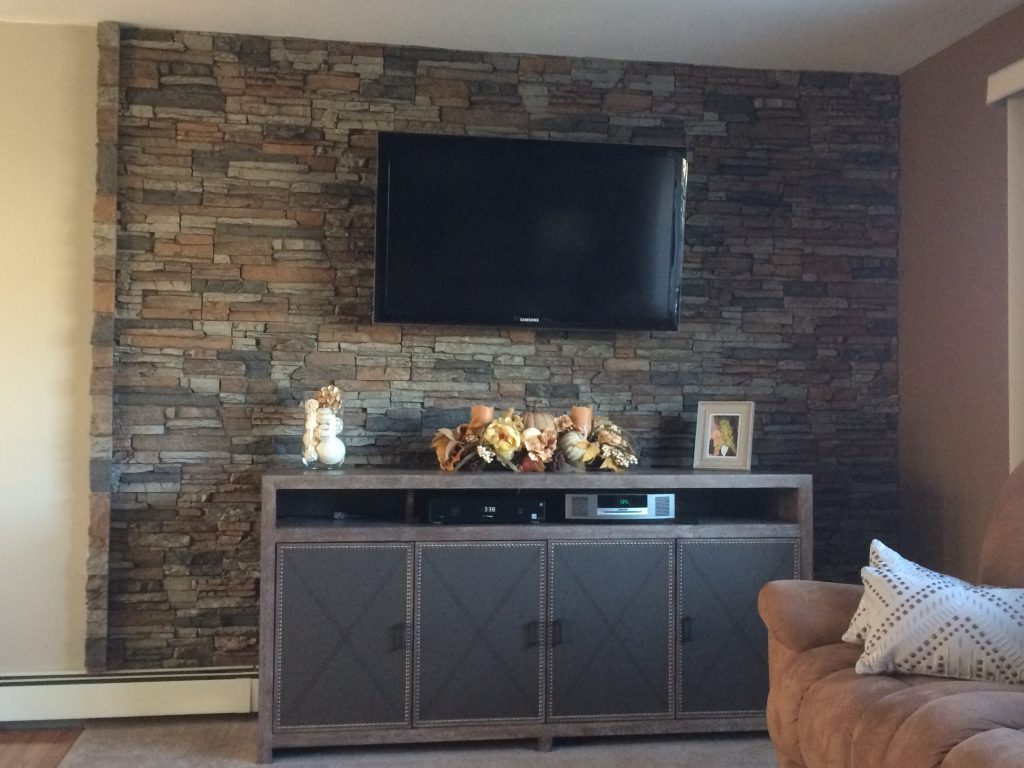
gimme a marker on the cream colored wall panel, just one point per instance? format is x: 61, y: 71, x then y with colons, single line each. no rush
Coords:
x: 47, y: 166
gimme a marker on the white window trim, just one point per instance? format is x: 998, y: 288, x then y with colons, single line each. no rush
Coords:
x: 1007, y: 85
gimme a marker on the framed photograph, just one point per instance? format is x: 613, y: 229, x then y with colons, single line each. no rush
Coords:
x: 724, y: 430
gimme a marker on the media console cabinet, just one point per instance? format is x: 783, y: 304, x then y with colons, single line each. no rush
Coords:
x: 377, y: 627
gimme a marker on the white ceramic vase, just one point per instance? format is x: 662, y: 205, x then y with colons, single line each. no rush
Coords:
x: 330, y: 450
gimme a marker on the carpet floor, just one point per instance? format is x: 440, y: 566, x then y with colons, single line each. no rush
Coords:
x: 228, y: 741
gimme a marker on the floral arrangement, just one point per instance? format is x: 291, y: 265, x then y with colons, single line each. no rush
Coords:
x: 534, y: 442
x: 320, y: 441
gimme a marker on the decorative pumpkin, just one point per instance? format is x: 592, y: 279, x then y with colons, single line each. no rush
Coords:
x: 539, y: 420
x: 576, y: 448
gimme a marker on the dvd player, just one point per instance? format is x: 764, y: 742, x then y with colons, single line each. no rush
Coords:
x: 620, y: 506
x: 475, y: 509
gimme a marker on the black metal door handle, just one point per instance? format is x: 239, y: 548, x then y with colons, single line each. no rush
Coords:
x: 398, y: 638
x: 532, y: 630
x: 556, y: 632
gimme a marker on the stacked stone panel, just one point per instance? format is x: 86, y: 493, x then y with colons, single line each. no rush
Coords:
x: 101, y: 380
x: 245, y: 279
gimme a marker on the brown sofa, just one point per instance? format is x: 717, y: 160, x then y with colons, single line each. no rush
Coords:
x: 823, y: 714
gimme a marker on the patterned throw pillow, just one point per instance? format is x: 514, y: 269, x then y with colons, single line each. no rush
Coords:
x: 870, y: 610
x: 926, y: 623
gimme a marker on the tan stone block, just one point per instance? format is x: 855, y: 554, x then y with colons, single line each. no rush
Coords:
x: 512, y: 389
x: 191, y: 238
x: 322, y: 163
x: 103, y: 297
x: 104, y: 209
x: 187, y: 129
x: 216, y: 310
x: 266, y: 310
x: 544, y: 65
x: 140, y: 74
x: 173, y: 339
x: 443, y: 93
x: 106, y: 126
x: 99, y: 521
x: 627, y: 101
x: 356, y: 388
x: 344, y: 83
x: 108, y: 68
x: 164, y: 249
x: 329, y: 359
x: 306, y: 218
x: 161, y: 280
x: 181, y: 442
x: 101, y: 382
x: 361, y: 334
x: 171, y: 307
x: 127, y: 377
x: 101, y: 416
x: 489, y: 117
x: 297, y: 148
x: 372, y: 373
x: 287, y: 274
x: 158, y: 55
x: 521, y: 335
x: 627, y: 364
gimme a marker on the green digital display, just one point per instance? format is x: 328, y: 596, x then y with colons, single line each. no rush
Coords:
x: 622, y: 500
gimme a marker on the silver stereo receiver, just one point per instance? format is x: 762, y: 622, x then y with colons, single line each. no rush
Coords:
x: 620, y: 506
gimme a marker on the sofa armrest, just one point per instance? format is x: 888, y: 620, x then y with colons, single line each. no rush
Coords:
x: 806, y: 614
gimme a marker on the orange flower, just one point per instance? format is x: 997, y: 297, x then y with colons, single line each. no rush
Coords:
x: 447, y: 449
x: 540, y: 445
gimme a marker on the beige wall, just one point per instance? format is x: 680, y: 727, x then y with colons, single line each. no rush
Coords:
x: 953, y: 298
x: 47, y: 146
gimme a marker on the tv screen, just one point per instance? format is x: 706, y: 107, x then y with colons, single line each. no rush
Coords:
x: 520, y: 232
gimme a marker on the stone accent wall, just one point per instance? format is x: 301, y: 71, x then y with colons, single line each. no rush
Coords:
x: 245, y: 270
x: 101, y: 384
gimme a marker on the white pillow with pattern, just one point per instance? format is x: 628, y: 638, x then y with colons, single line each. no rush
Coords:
x: 926, y: 623
x: 869, y: 610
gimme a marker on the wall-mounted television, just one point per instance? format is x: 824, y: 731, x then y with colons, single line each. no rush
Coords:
x: 524, y: 232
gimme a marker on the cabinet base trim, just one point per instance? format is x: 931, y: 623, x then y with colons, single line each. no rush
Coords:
x: 517, y: 731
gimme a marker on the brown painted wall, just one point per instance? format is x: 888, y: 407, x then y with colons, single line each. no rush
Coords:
x: 952, y: 305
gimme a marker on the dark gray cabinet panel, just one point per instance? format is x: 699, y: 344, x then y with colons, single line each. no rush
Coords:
x: 479, y: 607
x: 723, y: 646
x: 342, y: 656
x: 611, y: 629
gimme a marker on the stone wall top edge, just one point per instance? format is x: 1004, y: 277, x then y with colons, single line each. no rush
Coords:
x: 129, y: 32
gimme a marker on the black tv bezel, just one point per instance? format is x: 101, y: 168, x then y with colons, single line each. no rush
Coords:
x: 673, y: 296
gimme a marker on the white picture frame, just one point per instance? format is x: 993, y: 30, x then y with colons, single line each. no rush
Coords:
x: 724, y: 434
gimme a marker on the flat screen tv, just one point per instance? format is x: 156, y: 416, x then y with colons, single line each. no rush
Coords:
x: 521, y: 232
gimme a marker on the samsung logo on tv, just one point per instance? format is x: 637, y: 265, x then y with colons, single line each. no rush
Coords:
x: 529, y: 319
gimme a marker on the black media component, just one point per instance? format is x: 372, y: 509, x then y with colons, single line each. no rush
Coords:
x: 521, y: 232
x: 474, y: 509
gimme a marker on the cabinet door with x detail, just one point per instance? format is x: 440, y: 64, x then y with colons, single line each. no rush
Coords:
x: 612, y: 630
x: 479, y: 607
x: 723, y: 645
x: 342, y: 655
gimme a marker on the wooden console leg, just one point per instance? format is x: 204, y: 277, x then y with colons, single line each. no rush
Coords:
x: 264, y: 752
x: 544, y: 743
